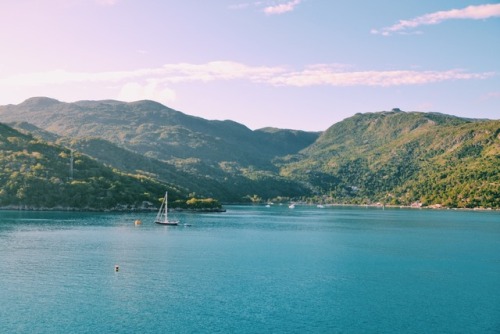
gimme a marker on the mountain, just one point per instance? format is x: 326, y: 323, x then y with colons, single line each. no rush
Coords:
x: 390, y: 157
x: 34, y: 174
x: 221, y: 159
x: 403, y: 157
x: 154, y: 130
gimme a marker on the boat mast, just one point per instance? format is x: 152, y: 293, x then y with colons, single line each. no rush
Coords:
x: 166, y: 205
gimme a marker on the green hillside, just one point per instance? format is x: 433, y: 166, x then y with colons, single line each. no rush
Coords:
x: 156, y: 131
x: 403, y: 158
x: 391, y: 157
x: 34, y: 174
x: 221, y: 159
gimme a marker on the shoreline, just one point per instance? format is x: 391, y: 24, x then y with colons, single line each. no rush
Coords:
x: 114, y: 210
x: 430, y: 207
x: 222, y: 210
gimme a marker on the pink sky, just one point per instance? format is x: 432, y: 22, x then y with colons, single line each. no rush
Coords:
x: 289, y: 64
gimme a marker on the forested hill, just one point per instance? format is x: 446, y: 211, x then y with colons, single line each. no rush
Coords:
x: 402, y: 158
x: 220, y: 159
x: 36, y: 175
x: 154, y: 130
x: 389, y: 157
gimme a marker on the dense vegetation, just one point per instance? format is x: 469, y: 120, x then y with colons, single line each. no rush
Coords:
x: 198, y: 204
x: 37, y: 175
x: 403, y: 158
x: 219, y: 159
x: 128, y: 153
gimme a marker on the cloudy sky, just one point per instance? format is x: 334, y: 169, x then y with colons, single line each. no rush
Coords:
x: 298, y: 64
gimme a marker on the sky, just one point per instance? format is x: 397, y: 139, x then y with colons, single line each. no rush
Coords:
x: 294, y: 64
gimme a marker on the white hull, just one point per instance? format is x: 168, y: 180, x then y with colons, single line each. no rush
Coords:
x: 162, y: 216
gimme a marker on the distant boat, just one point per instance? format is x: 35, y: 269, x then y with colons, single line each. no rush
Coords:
x: 320, y: 206
x: 162, y: 216
x: 291, y: 206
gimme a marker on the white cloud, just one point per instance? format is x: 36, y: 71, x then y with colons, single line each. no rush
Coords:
x: 325, y: 76
x: 150, y: 81
x: 269, y: 7
x: 106, y: 2
x: 134, y: 91
x: 281, y: 7
x: 217, y: 70
x: 58, y: 77
x: 239, y: 6
x: 471, y: 12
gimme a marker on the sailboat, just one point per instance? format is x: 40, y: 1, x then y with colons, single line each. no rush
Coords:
x: 162, y: 216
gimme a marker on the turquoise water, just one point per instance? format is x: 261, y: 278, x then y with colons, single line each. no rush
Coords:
x: 252, y: 270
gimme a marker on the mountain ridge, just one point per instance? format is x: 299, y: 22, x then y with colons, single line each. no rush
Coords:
x: 388, y: 164
x: 37, y: 175
x: 392, y: 157
x: 136, y: 120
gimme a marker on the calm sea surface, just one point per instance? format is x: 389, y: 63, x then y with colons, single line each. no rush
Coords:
x: 252, y: 270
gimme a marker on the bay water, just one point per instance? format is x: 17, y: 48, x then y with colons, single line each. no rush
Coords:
x: 251, y: 269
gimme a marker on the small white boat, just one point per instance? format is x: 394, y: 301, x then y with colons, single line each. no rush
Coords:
x: 320, y: 206
x: 162, y: 216
x: 291, y: 206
